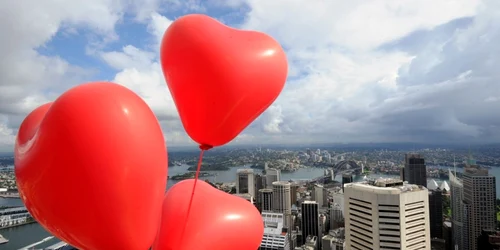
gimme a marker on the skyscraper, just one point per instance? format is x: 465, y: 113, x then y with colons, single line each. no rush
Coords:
x: 275, y: 235
x: 310, y: 221
x: 266, y: 196
x: 436, y: 213
x: 245, y: 182
x: 318, y: 194
x: 386, y: 214
x: 346, y: 178
x: 259, y: 184
x: 415, y: 171
x: 456, y: 205
x: 293, y: 190
x: 282, y: 200
x: 479, y: 198
x: 272, y: 175
x: 338, y: 197
x: 336, y: 217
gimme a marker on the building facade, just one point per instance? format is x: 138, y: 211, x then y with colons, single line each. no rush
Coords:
x: 386, y: 214
x: 456, y: 205
x: 310, y: 221
x: 479, y: 197
x: 266, y: 199
x: 275, y: 234
x: 245, y: 182
x: 436, y: 213
x: 415, y: 171
x: 282, y: 200
x: 272, y: 175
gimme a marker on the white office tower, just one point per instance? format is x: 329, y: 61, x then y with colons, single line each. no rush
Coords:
x: 338, y: 198
x: 318, y: 195
x: 275, y: 238
x: 272, y: 175
x: 386, y: 214
x: 245, y: 182
x: 282, y: 200
x: 336, y: 216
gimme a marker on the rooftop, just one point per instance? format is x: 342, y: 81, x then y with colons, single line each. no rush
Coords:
x: 336, y: 235
x: 281, y: 183
x: 309, y: 202
x: 273, y: 223
x: 245, y: 171
x: 475, y: 170
x: 244, y: 196
x: 386, y: 185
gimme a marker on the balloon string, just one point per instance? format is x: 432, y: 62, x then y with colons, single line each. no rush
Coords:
x: 192, y: 192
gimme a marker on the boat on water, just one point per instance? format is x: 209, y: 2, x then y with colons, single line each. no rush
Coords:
x: 3, y: 240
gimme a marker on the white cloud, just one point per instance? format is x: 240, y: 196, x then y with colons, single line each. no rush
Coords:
x: 352, y: 76
x: 157, y: 26
x: 131, y: 57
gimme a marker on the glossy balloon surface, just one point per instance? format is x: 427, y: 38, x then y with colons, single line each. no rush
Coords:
x: 221, y: 78
x: 217, y: 220
x: 92, y: 167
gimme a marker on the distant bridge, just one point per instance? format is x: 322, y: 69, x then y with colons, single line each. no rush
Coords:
x: 344, y: 167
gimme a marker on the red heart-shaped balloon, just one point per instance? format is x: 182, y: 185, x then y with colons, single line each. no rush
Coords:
x: 217, y: 220
x: 92, y: 168
x: 221, y: 79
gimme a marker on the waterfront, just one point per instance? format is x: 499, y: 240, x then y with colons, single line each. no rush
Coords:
x: 23, y: 235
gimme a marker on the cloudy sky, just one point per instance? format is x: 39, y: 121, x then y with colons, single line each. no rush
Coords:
x: 360, y: 71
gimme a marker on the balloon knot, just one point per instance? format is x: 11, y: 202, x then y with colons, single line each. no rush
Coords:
x: 205, y: 147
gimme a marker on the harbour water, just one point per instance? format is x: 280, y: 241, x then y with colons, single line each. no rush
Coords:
x: 24, y: 235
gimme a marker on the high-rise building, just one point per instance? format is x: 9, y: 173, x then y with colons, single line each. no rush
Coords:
x: 336, y: 217
x: 346, y: 178
x: 386, y: 214
x: 456, y: 205
x: 436, y: 213
x: 338, y: 198
x: 310, y: 221
x: 259, y: 184
x: 326, y: 197
x: 266, y: 199
x: 293, y: 190
x: 282, y: 200
x: 275, y: 234
x: 318, y: 194
x: 479, y: 197
x: 415, y: 171
x: 466, y: 239
x: 272, y: 175
x: 245, y: 182
x: 448, y: 235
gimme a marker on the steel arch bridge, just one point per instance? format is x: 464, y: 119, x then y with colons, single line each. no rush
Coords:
x: 346, y: 167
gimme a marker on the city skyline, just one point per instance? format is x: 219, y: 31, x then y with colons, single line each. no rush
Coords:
x: 413, y: 74
x: 348, y: 211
